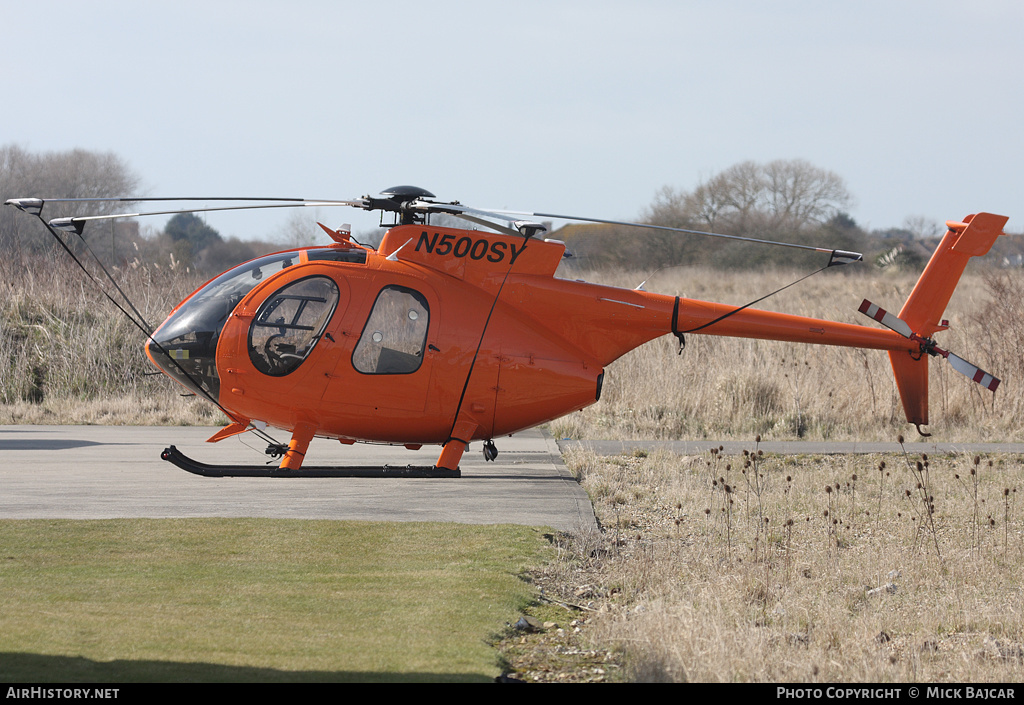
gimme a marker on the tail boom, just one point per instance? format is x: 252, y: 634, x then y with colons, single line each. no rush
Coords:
x: 908, y: 339
x: 768, y: 325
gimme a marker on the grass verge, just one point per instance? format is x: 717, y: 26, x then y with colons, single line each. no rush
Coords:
x: 243, y: 600
x: 772, y: 568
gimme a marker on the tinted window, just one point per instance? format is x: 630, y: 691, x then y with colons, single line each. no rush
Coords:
x: 191, y: 334
x: 337, y: 255
x: 290, y: 323
x: 395, y: 334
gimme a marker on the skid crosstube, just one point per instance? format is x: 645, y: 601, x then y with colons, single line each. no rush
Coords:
x: 175, y: 456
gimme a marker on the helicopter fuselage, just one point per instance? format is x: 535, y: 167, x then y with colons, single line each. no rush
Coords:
x: 440, y: 336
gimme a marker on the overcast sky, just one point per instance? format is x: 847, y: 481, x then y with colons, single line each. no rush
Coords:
x: 585, y: 108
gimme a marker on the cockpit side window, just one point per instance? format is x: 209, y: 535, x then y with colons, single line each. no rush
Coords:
x: 289, y: 324
x: 395, y: 335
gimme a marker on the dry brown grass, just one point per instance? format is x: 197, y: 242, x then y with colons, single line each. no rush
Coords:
x: 68, y: 356
x: 710, y: 571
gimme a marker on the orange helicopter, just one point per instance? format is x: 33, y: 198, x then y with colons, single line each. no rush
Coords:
x: 446, y: 336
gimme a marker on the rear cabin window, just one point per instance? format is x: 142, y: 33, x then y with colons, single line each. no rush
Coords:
x: 395, y: 335
x: 290, y: 323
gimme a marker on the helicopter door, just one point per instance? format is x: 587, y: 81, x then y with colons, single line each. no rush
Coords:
x: 394, y: 339
x: 390, y: 358
x: 290, y: 323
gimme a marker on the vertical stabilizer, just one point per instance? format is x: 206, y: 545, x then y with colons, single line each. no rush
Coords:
x: 912, y: 380
x: 971, y: 238
x: 921, y: 315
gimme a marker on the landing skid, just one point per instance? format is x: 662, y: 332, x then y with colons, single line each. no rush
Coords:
x: 173, y: 455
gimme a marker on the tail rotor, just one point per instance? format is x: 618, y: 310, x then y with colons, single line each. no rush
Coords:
x: 893, y: 322
x: 921, y: 315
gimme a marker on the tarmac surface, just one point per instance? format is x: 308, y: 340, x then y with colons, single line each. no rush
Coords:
x: 101, y: 472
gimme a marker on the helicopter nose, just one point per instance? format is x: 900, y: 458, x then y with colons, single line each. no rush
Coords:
x: 185, y: 346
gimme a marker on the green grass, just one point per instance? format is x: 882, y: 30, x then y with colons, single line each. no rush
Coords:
x: 258, y: 600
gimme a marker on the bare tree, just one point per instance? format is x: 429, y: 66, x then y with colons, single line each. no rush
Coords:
x: 801, y: 194
x: 754, y: 198
x: 669, y: 208
x: 790, y: 200
x: 921, y: 227
x: 301, y: 229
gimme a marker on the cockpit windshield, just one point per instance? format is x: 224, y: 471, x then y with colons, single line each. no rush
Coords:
x: 235, y: 283
x: 185, y: 346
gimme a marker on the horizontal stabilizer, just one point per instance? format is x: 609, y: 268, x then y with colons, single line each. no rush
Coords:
x: 977, y: 234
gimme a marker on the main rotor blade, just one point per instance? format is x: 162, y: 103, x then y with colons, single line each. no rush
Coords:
x: 848, y: 256
x: 76, y: 223
x: 486, y: 223
x: 524, y: 227
x: 142, y: 199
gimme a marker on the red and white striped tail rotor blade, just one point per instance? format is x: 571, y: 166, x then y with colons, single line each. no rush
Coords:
x: 973, y: 372
x: 961, y: 365
x: 886, y: 319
